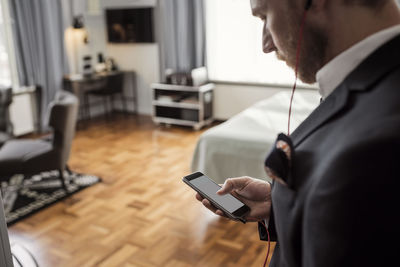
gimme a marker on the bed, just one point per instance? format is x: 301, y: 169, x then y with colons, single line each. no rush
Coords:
x: 239, y: 146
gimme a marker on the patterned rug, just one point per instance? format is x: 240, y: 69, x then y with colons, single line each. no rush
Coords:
x: 24, y: 196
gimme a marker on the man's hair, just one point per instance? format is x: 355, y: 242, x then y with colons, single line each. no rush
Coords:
x: 368, y: 3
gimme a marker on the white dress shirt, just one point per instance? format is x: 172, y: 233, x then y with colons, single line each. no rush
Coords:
x: 335, y: 71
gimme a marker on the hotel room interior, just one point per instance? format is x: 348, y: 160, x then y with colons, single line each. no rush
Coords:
x: 106, y: 104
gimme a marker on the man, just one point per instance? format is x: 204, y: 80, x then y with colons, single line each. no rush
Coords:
x: 338, y: 205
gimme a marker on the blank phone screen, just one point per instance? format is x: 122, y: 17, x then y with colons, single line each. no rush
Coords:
x: 209, y: 188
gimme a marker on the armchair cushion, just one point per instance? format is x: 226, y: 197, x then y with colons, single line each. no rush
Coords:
x: 19, y: 156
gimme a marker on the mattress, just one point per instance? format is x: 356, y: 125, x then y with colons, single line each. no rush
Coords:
x: 239, y: 146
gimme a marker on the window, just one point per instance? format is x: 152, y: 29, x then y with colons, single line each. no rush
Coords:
x: 234, y: 46
x: 8, y: 73
x: 5, y: 73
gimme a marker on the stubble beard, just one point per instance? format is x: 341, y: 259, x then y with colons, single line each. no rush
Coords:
x: 312, y: 52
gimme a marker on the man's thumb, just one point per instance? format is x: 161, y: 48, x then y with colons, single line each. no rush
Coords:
x: 226, y: 187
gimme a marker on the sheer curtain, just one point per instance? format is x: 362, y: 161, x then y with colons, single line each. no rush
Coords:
x: 39, y: 37
x: 5, y: 73
x: 183, y: 34
x: 234, y: 46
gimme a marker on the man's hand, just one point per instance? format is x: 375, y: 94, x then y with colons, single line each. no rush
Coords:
x: 253, y: 192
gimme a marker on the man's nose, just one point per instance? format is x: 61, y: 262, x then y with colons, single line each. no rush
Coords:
x: 268, y: 43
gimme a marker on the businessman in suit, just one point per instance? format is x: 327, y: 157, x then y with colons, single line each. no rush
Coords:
x: 337, y: 202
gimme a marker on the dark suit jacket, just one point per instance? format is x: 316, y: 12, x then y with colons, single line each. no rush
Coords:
x: 341, y: 205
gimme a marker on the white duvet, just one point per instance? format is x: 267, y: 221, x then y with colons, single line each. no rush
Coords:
x: 239, y: 146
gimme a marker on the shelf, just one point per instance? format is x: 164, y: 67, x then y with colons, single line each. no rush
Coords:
x: 195, y: 125
x: 175, y: 121
x: 176, y: 104
x: 173, y: 87
x: 182, y: 105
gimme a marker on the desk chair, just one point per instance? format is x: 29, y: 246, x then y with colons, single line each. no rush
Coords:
x: 24, y: 156
x: 114, y: 85
x: 6, y: 127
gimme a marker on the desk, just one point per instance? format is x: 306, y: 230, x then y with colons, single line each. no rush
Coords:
x: 78, y: 84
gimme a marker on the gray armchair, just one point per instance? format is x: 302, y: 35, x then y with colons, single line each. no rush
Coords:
x: 6, y: 128
x: 33, y: 156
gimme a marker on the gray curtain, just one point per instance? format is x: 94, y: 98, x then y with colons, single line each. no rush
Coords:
x: 39, y: 36
x: 183, y: 34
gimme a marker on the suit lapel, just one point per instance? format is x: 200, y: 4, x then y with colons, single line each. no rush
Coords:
x: 326, y: 110
x: 369, y: 72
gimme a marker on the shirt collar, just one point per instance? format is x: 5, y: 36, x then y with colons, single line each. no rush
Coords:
x: 334, y: 72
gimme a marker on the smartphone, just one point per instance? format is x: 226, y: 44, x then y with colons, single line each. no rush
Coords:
x: 230, y: 205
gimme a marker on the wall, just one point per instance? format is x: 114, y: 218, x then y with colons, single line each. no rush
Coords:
x: 145, y: 60
x: 141, y: 58
x: 230, y: 99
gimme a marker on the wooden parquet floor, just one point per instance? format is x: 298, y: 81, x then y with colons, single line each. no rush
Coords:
x: 141, y: 214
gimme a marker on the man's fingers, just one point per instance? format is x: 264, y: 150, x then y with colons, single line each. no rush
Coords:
x: 220, y: 213
x: 199, y: 197
x: 233, y: 184
x: 209, y: 206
